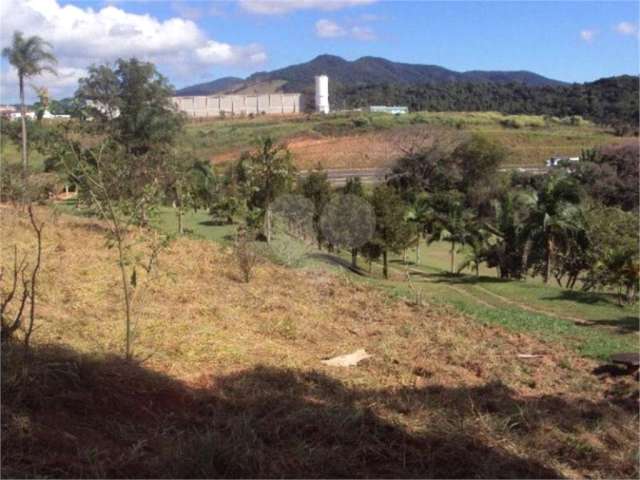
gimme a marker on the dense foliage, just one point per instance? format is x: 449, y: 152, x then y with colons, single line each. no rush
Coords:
x: 609, y: 101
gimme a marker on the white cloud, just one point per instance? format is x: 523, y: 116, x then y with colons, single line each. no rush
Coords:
x: 588, y: 35
x: 217, y: 52
x: 626, y: 28
x: 83, y: 36
x: 278, y: 7
x: 328, y: 29
x: 365, y: 34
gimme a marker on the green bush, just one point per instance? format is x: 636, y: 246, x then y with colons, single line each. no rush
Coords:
x: 510, y: 123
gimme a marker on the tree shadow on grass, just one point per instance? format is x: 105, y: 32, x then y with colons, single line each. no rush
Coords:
x: 459, y: 278
x: 337, y: 262
x: 624, y: 324
x: 68, y: 415
x: 587, y: 298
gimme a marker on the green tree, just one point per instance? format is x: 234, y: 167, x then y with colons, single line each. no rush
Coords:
x: 190, y: 185
x: 131, y: 103
x: 391, y: 230
x: 30, y: 56
x: 102, y: 174
x: 553, y: 218
x: 100, y: 93
x: 420, y: 215
x: 614, y: 258
x: 478, y: 160
x: 450, y: 221
x: 316, y: 187
x: 506, y: 246
x: 269, y: 172
x: 353, y: 186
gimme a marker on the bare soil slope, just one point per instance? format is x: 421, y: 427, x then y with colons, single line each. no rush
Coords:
x: 370, y: 150
x: 228, y: 381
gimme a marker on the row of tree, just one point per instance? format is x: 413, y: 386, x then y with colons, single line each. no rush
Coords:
x: 451, y: 191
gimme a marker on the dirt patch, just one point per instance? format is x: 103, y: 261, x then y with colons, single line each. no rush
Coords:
x: 354, y: 151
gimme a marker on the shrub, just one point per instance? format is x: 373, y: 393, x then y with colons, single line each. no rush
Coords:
x: 35, y: 187
x: 245, y: 253
x: 360, y: 122
x: 510, y: 123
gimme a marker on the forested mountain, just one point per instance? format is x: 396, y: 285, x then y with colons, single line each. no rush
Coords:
x: 374, y: 70
x: 365, y: 71
x: 611, y: 100
x: 376, y: 81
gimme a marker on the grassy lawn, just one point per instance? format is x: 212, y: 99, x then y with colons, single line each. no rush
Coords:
x: 10, y: 154
x: 197, y: 224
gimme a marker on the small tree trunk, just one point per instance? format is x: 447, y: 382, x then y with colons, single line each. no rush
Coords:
x: 34, y: 277
x: 453, y: 256
x: 418, y: 250
x: 547, y: 260
x: 23, y: 119
x: 354, y: 258
x: 385, y: 265
x: 125, y: 289
x: 144, y: 221
x: 180, y: 226
x: 267, y: 224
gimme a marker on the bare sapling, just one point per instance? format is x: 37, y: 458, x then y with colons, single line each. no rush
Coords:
x: 99, y: 173
x: 245, y: 253
x: 23, y: 285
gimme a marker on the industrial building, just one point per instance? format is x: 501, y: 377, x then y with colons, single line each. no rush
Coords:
x: 217, y: 105
x: 261, y: 104
x: 395, y: 110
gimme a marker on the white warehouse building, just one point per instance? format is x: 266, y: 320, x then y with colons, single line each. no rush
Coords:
x: 216, y: 105
x: 203, y: 106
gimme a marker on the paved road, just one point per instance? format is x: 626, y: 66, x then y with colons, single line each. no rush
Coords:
x: 338, y: 177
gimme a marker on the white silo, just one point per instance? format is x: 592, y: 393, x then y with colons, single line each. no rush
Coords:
x: 322, y: 94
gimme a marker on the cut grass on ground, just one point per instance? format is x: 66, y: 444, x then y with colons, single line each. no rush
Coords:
x: 593, y: 324
x: 232, y: 386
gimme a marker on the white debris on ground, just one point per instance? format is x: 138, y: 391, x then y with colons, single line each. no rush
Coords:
x: 347, y: 360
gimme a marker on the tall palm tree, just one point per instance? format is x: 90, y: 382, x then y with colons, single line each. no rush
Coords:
x: 507, y: 240
x: 30, y: 56
x: 449, y: 221
x: 555, y: 216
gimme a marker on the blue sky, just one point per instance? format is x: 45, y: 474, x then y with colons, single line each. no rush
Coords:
x: 198, y: 41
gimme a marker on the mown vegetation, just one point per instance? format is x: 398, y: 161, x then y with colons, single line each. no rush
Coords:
x: 150, y: 354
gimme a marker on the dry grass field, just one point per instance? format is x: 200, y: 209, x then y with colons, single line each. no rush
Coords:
x: 228, y: 382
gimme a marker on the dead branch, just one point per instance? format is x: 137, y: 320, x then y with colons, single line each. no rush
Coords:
x: 28, y: 289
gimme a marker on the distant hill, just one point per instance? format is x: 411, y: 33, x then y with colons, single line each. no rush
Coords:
x: 364, y: 71
x: 214, y: 86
